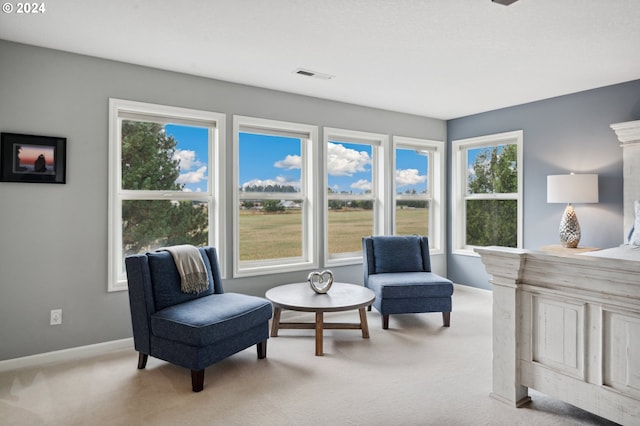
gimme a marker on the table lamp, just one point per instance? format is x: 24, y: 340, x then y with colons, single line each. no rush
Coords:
x: 571, y: 189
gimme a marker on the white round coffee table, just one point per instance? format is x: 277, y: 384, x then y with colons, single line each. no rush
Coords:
x: 300, y: 297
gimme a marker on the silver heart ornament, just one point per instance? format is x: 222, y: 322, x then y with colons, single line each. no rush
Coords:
x: 320, y: 282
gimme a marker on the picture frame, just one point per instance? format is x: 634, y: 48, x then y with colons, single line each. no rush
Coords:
x: 31, y: 158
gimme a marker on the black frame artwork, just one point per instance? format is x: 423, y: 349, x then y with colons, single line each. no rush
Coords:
x: 31, y: 158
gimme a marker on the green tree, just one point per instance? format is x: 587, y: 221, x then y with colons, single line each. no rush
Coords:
x: 148, y: 164
x: 418, y: 204
x: 335, y: 204
x: 493, y: 222
x: 272, y: 206
x: 364, y: 204
x: 269, y: 188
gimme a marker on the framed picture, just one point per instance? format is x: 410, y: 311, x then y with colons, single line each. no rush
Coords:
x: 30, y: 158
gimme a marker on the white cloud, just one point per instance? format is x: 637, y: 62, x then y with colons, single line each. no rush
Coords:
x: 343, y: 161
x: 193, y: 177
x: 406, y: 177
x: 290, y: 162
x: 362, y: 184
x: 187, y: 159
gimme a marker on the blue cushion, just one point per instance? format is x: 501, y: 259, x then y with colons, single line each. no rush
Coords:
x: 410, y: 285
x: 412, y: 305
x: 210, y: 319
x: 166, y: 280
x: 397, y: 254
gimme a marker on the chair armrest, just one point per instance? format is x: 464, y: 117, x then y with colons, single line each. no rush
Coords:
x: 140, y: 300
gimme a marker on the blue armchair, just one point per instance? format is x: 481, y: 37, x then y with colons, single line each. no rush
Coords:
x: 398, y: 269
x: 191, y: 330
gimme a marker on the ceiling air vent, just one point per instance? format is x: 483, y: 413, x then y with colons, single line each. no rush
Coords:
x: 314, y: 74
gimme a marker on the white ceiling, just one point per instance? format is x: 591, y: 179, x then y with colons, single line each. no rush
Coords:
x: 436, y: 58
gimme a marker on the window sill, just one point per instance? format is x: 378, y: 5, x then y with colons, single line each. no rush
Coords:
x: 344, y: 261
x: 466, y: 252
x: 253, y: 271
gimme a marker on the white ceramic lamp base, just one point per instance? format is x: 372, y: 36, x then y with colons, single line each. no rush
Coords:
x: 569, y: 228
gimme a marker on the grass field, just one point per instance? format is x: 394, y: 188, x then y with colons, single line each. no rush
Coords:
x: 278, y: 235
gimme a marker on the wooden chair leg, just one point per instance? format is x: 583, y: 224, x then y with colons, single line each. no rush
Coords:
x: 446, y: 318
x: 142, y: 360
x: 262, y: 349
x: 369, y: 308
x: 385, y: 322
x: 197, y: 380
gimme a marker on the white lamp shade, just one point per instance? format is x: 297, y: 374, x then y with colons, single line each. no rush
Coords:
x: 572, y: 188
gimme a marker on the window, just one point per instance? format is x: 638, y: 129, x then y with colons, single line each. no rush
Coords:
x: 487, y: 191
x: 164, y: 180
x: 275, y: 210
x: 417, y: 189
x: 354, y: 192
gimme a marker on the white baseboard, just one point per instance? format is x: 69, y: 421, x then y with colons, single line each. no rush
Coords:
x: 66, y: 354
x: 469, y: 288
x: 102, y: 348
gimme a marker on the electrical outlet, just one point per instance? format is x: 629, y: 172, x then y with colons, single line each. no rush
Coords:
x: 56, y: 316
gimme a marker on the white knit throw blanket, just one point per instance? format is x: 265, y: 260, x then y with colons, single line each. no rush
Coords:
x: 193, y: 273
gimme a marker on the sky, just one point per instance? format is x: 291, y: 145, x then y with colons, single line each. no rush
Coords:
x: 269, y: 160
x: 266, y: 160
x: 411, y: 170
x: 29, y: 153
x: 192, y: 151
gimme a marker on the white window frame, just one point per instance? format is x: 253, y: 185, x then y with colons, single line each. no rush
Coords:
x: 436, y: 190
x: 120, y: 109
x: 380, y: 188
x: 309, y: 177
x: 459, y: 176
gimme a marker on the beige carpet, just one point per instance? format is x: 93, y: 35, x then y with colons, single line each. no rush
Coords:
x: 415, y: 373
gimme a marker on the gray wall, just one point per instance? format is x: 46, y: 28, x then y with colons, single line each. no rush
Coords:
x: 565, y: 134
x: 53, y: 238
